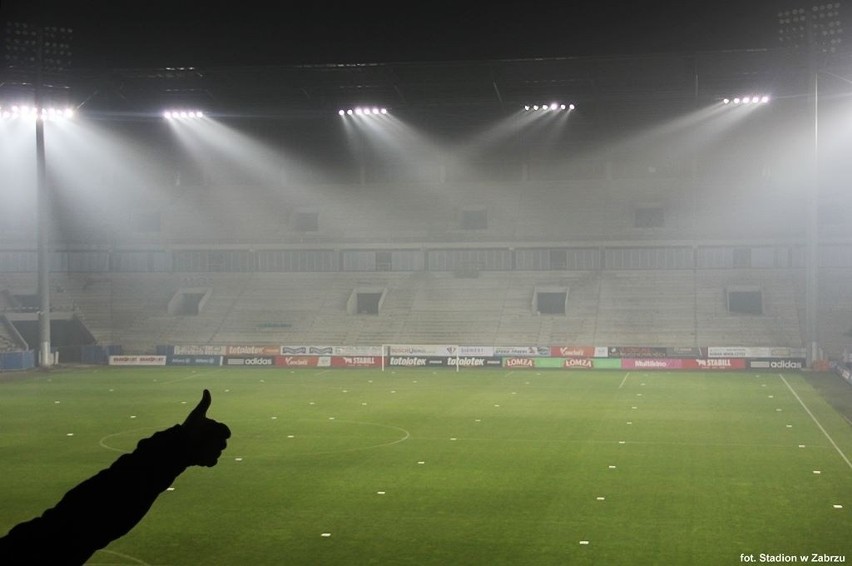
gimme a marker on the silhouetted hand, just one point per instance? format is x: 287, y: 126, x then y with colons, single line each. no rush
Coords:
x: 206, y: 438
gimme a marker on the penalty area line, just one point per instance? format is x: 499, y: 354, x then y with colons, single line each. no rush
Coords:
x: 808, y: 411
x: 623, y: 381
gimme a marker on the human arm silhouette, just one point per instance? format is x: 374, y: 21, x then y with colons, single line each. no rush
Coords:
x: 110, y: 503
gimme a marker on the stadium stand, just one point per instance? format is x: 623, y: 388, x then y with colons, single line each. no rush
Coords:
x: 628, y: 307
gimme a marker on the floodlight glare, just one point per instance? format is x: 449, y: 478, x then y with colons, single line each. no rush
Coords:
x: 363, y: 111
x: 750, y: 99
x: 50, y: 113
x: 182, y: 114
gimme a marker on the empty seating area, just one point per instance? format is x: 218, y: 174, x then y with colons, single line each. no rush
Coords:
x: 631, y: 307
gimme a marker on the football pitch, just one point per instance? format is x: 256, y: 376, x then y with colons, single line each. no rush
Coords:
x: 352, y: 467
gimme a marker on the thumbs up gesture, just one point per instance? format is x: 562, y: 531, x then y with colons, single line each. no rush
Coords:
x: 206, y: 438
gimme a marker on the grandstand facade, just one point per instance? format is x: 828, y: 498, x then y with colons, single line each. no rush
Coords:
x: 653, y: 213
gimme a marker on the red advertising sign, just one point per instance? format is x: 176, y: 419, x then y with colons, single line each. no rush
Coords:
x: 714, y: 363
x: 296, y: 361
x: 356, y: 361
x: 572, y: 351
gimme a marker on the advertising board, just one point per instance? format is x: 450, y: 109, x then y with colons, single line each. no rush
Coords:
x: 194, y: 361
x: 137, y: 360
x: 778, y: 363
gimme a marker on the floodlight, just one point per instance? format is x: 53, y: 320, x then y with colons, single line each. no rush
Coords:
x: 182, y: 114
x: 363, y: 111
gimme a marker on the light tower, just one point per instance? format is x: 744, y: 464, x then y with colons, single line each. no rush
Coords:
x: 38, y: 50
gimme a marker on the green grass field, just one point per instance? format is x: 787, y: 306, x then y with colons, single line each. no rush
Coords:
x: 355, y: 467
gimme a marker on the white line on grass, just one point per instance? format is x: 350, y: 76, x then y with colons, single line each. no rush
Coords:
x: 103, y: 441
x: 192, y: 375
x: 125, y: 556
x: 623, y: 381
x: 805, y: 407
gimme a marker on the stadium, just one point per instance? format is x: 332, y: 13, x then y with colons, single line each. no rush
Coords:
x: 583, y: 309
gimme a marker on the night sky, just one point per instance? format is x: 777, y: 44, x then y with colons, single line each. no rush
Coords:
x: 119, y: 33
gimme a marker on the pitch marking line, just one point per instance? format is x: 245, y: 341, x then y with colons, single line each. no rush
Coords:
x: 623, y: 381
x: 120, y: 555
x: 808, y: 411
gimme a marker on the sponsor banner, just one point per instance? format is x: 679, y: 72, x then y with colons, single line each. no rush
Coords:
x: 194, y: 361
x: 474, y: 362
x: 637, y: 352
x: 301, y: 361
x: 754, y: 352
x: 648, y: 363
x: 476, y: 351
x: 252, y: 361
x: 577, y: 363
x: 356, y: 361
x: 684, y: 353
x: 200, y: 350
x: 607, y: 364
x: 714, y: 363
x: 601, y: 352
x: 519, y: 363
x: 522, y: 351
x: 778, y: 363
x: 415, y: 361
x: 357, y: 351
x: 439, y: 351
x: 305, y: 350
x: 252, y: 351
x: 137, y: 360
x: 572, y: 351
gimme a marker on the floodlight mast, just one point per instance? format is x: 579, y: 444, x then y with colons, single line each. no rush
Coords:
x: 45, y: 359
x: 799, y: 30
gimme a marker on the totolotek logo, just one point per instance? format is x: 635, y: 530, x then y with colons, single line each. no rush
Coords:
x: 466, y: 362
x: 407, y: 362
x: 519, y: 362
x: 243, y: 350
